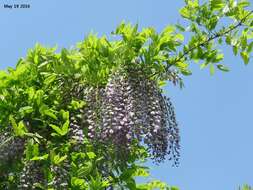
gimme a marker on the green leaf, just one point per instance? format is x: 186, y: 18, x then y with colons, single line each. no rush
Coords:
x: 218, y: 58
x: 235, y: 50
x: 32, y: 149
x: 44, y: 157
x: 141, y: 172
x: 36, y: 59
x: 243, y: 42
x: 180, y: 27
x: 179, y: 37
x: 61, y: 131
x: 50, y: 113
x: 223, y: 68
x: 174, y: 188
x: 44, y: 110
x: 228, y: 39
x: 181, y: 65
x: 35, y: 150
x: 22, y: 128
x: 250, y: 46
x: 192, y: 3
x: 217, y: 4
x: 64, y: 114
x: 168, y: 30
x: 19, y: 129
x: 65, y: 128
x: 156, y: 184
x: 243, y: 4
x: 39, y: 97
x: 127, y: 174
x: 78, y: 183
x: 245, y: 57
x: 212, y: 69
x: 35, y: 136
x: 186, y: 72
x: 56, y: 128
x: 185, y: 12
x: 131, y: 184
x: 91, y: 155
x: 203, y: 65
x: 31, y: 93
x: 85, y: 169
x: 13, y: 123
x: 162, y: 83
x: 77, y: 104
x: 57, y: 159
x: 41, y: 65
x: 220, y: 40
x: 212, y: 23
x: 25, y: 110
x: 51, y: 78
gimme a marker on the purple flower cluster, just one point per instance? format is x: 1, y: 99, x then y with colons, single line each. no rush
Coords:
x: 92, y: 112
x: 60, y: 176
x: 31, y: 175
x: 132, y: 107
x: 117, y: 113
x: 76, y: 130
x: 11, y: 148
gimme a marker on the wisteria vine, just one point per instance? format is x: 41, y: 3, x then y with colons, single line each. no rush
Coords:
x: 130, y: 110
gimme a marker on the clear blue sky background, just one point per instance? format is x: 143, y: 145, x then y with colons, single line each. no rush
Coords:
x: 215, y: 113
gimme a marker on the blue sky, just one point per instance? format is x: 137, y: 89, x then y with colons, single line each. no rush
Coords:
x: 215, y: 113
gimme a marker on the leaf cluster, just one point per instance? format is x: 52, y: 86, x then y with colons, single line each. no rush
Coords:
x: 39, y: 96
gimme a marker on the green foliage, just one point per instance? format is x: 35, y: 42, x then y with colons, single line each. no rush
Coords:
x: 245, y: 187
x: 208, y: 33
x: 39, y: 97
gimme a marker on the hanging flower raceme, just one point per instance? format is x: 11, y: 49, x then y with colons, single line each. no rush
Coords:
x: 11, y: 148
x: 60, y: 176
x: 93, y: 97
x: 116, y: 114
x: 31, y: 175
x: 133, y: 107
x: 76, y: 129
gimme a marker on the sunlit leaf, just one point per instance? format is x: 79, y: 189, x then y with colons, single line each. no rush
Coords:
x: 245, y: 57
x: 212, y: 69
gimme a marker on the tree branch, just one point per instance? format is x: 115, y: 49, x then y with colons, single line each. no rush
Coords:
x: 213, y: 37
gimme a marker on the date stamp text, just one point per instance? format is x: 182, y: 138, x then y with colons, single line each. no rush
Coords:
x: 16, y: 6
